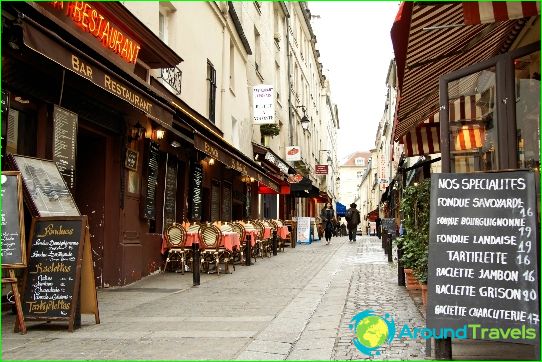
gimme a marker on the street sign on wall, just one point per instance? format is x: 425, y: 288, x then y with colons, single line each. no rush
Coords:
x: 321, y: 169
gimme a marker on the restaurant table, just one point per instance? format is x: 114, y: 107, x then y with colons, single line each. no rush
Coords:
x: 229, y: 240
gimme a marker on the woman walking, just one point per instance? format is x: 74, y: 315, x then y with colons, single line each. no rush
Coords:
x: 328, y: 215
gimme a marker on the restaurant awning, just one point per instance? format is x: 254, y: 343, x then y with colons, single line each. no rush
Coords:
x: 231, y: 157
x: 372, y: 215
x: 340, y: 209
x: 432, y: 39
x: 424, y: 139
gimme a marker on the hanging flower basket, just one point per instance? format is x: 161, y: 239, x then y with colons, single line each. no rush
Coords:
x: 270, y: 129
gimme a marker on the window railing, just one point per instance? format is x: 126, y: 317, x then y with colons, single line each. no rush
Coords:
x: 173, y: 77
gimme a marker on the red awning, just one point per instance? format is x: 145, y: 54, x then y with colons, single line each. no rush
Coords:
x: 283, y: 190
x: 492, y: 11
x: 431, y: 39
x: 424, y: 139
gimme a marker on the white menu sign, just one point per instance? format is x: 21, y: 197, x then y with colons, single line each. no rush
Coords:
x: 263, y: 104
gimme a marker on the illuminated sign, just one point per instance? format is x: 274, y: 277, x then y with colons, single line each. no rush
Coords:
x: 90, y: 20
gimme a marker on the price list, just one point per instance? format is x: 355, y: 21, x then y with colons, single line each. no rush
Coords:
x: 11, y: 229
x: 64, y: 143
x: 170, y: 197
x: 52, y: 268
x: 482, y: 255
x: 196, y: 182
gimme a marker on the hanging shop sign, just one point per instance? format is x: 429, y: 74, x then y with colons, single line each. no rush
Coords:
x: 321, y: 169
x: 90, y: 20
x: 293, y: 153
x: 263, y: 102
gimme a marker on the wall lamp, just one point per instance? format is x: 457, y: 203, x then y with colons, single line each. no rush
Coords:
x: 304, y: 120
x: 136, y: 132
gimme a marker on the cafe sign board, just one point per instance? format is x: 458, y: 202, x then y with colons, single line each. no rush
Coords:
x: 483, y: 254
x: 293, y: 153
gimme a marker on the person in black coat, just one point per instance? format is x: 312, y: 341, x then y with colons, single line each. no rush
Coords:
x: 328, y: 216
x: 353, y: 218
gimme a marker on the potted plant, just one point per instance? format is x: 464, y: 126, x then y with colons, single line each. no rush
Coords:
x: 415, y: 210
x: 271, y: 130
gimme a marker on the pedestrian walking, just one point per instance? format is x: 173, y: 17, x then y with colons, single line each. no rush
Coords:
x: 378, y: 225
x: 353, y: 218
x: 327, y: 215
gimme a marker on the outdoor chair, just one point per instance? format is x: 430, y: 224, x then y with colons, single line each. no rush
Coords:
x: 176, y: 238
x: 211, y: 236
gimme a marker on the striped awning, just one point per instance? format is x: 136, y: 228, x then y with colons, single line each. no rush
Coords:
x: 430, y: 40
x: 424, y: 139
x: 492, y: 11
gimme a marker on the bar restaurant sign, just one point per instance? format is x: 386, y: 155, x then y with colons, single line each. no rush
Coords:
x: 263, y: 101
x: 90, y: 20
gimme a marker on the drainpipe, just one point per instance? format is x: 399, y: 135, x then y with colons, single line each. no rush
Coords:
x: 225, y: 45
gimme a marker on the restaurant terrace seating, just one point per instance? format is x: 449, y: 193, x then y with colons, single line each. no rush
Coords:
x: 264, y: 244
x: 176, y: 237
x: 240, y: 229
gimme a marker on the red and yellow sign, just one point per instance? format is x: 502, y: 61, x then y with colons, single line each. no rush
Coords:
x: 92, y: 21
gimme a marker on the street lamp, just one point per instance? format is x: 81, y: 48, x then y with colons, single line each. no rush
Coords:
x: 304, y: 120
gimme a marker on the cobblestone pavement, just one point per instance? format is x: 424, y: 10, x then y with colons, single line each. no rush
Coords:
x: 296, y: 305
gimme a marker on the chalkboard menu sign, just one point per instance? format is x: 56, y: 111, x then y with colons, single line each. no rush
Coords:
x: 53, y: 273
x: 215, y: 201
x: 483, y: 255
x: 226, y: 201
x: 170, y: 197
x: 388, y: 225
x: 196, y: 182
x: 153, y: 157
x: 64, y: 143
x: 13, y: 242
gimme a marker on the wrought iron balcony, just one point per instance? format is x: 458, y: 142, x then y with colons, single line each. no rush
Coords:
x: 173, y: 77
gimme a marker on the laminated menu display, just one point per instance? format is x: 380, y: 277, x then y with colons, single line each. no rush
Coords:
x: 150, y: 180
x: 482, y: 268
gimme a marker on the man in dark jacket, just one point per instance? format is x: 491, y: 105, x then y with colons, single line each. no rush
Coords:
x: 352, y: 220
x: 328, y: 216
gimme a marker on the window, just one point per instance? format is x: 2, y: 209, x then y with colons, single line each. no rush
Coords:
x: 211, y: 78
x: 359, y: 161
x: 232, y: 66
x: 235, y: 133
x: 277, y: 81
x: 257, y: 52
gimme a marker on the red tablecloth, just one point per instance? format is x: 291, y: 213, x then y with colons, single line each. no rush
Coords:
x: 283, y: 232
x: 229, y: 240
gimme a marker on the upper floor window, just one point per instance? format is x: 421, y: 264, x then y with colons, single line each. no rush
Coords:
x: 257, y: 52
x: 211, y: 89
x: 258, y: 6
x: 359, y: 161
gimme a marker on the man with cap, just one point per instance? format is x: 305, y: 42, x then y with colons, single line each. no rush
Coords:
x: 352, y: 220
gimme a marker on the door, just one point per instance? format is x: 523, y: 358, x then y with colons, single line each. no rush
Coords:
x: 90, y: 192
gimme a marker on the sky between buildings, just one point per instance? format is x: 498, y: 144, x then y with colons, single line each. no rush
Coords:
x: 355, y: 50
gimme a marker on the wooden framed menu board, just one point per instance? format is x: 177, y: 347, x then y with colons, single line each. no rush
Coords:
x: 52, y: 279
x: 45, y: 191
x: 13, y: 238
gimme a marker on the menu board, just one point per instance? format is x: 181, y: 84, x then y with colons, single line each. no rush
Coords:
x: 226, y: 201
x: 482, y: 254
x: 64, y: 143
x: 45, y: 191
x: 149, y: 200
x: 215, y: 201
x: 170, y: 194
x: 131, y: 159
x: 13, y: 243
x: 388, y: 225
x: 196, y: 182
x: 52, y: 276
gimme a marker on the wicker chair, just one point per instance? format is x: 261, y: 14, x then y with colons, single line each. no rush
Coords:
x: 210, y: 236
x: 280, y: 241
x: 264, y: 245
x: 292, y: 237
x: 176, y: 238
x: 255, y: 251
x: 240, y: 229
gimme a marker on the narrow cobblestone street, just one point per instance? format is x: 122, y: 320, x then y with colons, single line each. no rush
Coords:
x: 297, y: 305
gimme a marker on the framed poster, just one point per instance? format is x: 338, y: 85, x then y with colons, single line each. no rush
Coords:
x: 45, y: 191
x: 130, y: 161
x: 13, y: 237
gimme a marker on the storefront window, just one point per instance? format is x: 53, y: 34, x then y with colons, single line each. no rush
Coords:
x: 527, y: 82
x: 473, y: 123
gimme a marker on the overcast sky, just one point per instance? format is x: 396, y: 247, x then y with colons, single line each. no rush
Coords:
x: 355, y: 51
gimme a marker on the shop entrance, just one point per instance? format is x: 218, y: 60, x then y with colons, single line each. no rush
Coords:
x: 90, y: 191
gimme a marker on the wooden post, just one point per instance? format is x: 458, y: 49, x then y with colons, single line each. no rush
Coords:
x: 248, y: 251
x: 389, y: 247
x: 19, y: 321
x: 274, y: 245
